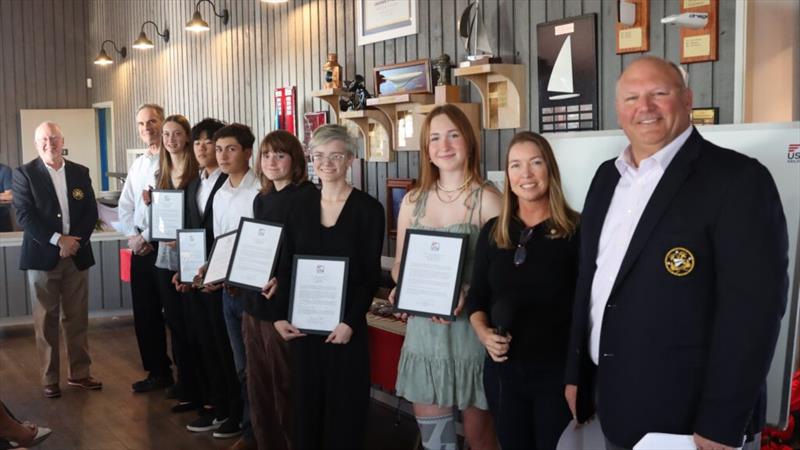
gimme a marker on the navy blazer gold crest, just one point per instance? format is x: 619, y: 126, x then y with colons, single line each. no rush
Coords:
x: 39, y: 214
x: 692, y: 319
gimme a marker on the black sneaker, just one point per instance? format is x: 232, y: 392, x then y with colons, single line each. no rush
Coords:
x: 205, y: 423
x: 152, y: 383
x: 229, y: 429
x: 183, y: 407
x: 175, y: 391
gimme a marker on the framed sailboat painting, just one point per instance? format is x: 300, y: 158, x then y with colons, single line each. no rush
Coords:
x: 568, y: 74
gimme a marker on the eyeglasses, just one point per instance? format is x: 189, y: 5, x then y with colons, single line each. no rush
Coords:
x: 521, y: 253
x: 333, y: 157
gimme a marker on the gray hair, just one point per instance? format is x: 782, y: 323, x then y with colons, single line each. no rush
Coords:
x: 157, y: 108
x: 44, y: 125
x: 329, y: 133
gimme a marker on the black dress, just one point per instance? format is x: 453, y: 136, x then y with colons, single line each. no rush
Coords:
x: 534, y: 302
x: 331, y: 381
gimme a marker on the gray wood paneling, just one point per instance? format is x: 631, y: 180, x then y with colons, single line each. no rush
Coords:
x: 42, y: 64
x: 232, y: 71
x: 106, y: 291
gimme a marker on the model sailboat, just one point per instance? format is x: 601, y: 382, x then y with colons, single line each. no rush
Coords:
x: 561, y: 77
x: 472, y: 29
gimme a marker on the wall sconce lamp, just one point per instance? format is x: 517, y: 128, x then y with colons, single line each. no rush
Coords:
x: 144, y: 43
x: 197, y: 24
x: 103, y: 59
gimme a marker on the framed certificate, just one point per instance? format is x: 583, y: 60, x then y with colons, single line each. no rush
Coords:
x: 254, y: 253
x: 319, y: 286
x: 166, y: 214
x: 220, y: 258
x: 191, y: 253
x: 430, y: 273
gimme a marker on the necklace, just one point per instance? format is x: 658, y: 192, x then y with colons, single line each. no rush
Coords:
x: 463, y: 185
x: 448, y: 201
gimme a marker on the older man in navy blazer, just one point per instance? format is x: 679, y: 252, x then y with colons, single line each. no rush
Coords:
x: 56, y: 209
x: 682, y: 281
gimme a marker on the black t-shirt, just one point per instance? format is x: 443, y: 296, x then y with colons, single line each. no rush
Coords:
x: 271, y: 207
x: 540, y: 291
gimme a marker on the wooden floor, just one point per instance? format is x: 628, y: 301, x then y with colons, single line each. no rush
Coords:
x: 117, y: 419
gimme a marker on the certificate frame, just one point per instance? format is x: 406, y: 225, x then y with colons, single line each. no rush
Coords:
x: 206, y: 281
x: 153, y: 235
x: 273, y: 263
x: 187, y: 231
x: 379, y: 21
x: 463, y: 238
x: 342, y: 297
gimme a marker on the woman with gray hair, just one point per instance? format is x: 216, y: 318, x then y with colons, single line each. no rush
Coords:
x: 330, y: 374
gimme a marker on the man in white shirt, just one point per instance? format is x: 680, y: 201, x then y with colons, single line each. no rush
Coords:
x: 56, y: 207
x: 233, y: 201
x: 683, y: 245
x: 147, y: 305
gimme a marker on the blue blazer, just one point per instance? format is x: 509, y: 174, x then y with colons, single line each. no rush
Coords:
x: 690, y: 353
x: 39, y: 214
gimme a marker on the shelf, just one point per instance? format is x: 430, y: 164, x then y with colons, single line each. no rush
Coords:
x: 365, y: 118
x: 502, y: 89
x: 405, y: 122
x: 471, y: 110
x: 331, y: 96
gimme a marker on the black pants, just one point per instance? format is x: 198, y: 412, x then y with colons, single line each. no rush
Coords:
x: 219, y: 381
x: 148, y: 318
x: 185, y: 356
x: 527, y: 403
x: 330, y: 390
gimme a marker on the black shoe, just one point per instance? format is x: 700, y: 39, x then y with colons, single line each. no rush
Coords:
x: 175, y: 392
x: 182, y: 407
x: 152, y: 383
x: 205, y: 423
x: 229, y: 429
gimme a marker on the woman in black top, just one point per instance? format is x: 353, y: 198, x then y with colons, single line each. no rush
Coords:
x: 282, y: 170
x: 520, y: 300
x: 330, y: 374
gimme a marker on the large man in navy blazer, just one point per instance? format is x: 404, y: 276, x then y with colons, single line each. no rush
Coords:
x: 682, y: 281
x: 56, y: 208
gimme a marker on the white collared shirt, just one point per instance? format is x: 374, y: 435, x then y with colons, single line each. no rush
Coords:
x: 233, y: 203
x: 132, y: 210
x: 207, y: 182
x: 633, y: 192
x: 59, y: 178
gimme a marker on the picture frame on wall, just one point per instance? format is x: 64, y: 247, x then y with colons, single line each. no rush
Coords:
x: 412, y: 77
x: 567, y: 67
x: 396, y: 189
x: 312, y: 121
x: 379, y: 20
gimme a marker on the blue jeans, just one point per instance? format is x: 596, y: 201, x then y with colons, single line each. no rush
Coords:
x: 232, y: 308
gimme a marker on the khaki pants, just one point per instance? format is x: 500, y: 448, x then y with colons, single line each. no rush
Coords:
x: 63, y: 289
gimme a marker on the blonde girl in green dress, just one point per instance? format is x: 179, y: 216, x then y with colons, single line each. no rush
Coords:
x: 441, y: 363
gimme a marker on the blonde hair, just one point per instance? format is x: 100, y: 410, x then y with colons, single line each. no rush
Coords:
x: 190, y: 170
x: 563, y: 219
x: 333, y: 132
x: 428, y: 172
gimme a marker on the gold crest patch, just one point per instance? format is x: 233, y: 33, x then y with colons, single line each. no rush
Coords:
x: 77, y: 194
x: 679, y: 261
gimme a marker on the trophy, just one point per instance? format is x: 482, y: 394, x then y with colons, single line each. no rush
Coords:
x: 332, y: 73
x: 442, y: 66
x: 476, y: 42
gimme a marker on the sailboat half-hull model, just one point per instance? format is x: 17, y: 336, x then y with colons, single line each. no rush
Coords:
x: 476, y: 40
